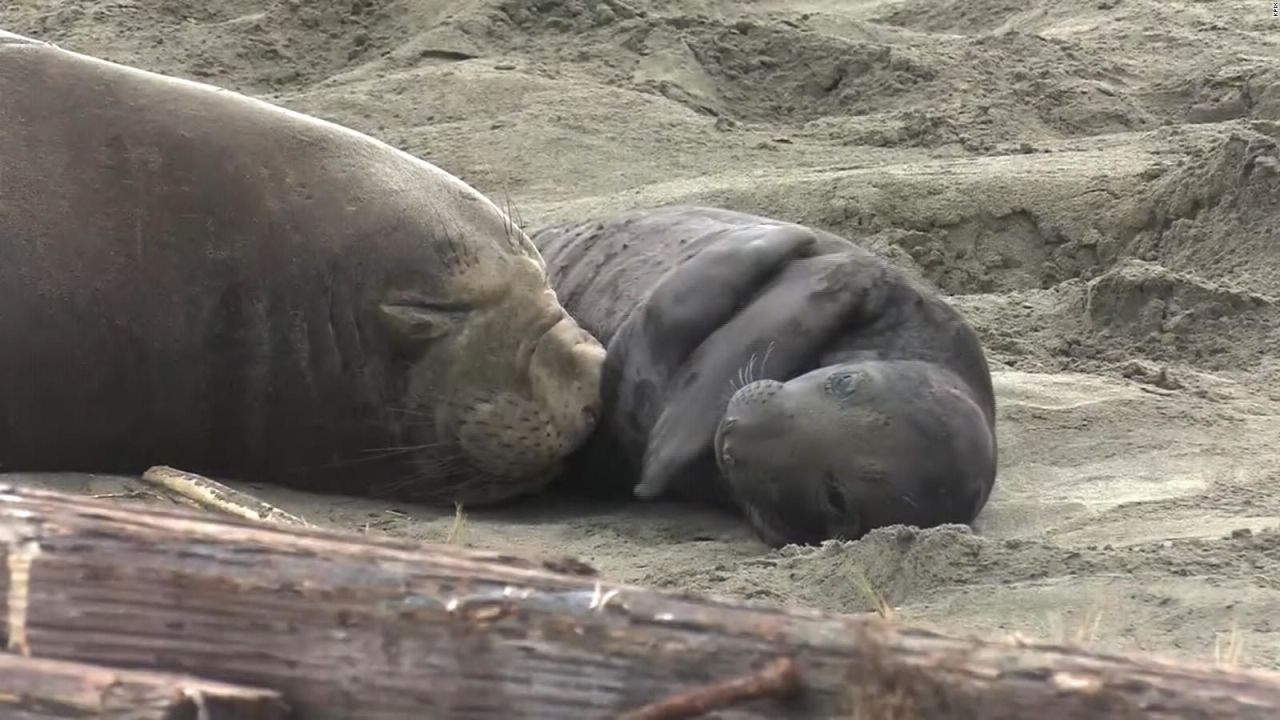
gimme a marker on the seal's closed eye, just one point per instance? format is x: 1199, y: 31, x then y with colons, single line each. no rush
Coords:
x: 412, y: 327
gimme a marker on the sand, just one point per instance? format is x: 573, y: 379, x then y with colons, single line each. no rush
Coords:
x: 1095, y: 184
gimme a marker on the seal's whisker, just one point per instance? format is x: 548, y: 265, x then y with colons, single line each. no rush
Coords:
x: 455, y: 454
x: 767, y: 352
x: 385, y: 453
x: 375, y: 455
x: 443, y: 465
x: 751, y: 366
x: 513, y: 221
x: 438, y: 475
x: 345, y: 462
x: 407, y: 411
x: 443, y: 474
x: 746, y: 373
x: 729, y: 393
x: 407, y: 448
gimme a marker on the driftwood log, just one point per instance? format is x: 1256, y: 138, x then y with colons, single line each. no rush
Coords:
x: 345, y: 626
x: 35, y: 689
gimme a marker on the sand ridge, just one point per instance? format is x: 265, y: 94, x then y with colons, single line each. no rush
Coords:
x: 1097, y: 186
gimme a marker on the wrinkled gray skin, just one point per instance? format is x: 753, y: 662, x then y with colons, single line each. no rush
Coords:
x: 781, y: 370
x: 194, y: 278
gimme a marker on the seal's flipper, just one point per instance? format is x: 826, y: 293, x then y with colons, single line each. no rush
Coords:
x: 700, y: 295
x: 686, y: 305
x: 780, y: 334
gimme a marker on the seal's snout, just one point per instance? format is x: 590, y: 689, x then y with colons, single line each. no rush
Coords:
x: 515, y: 435
x: 746, y: 409
x: 564, y: 373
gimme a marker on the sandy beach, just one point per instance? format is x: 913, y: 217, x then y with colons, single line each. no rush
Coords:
x: 1096, y: 185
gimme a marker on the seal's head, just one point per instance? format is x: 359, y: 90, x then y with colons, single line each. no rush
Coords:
x: 347, y: 298
x: 501, y: 383
x: 849, y: 447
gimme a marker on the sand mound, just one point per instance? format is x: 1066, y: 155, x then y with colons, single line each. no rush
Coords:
x: 1094, y: 185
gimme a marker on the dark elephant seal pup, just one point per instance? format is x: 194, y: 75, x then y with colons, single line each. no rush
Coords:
x: 832, y: 392
x: 194, y: 278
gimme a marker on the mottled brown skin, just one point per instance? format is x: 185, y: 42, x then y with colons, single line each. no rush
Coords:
x: 780, y: 370
x: 194, y: 278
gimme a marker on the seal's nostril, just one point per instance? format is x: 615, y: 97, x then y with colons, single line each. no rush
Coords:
x: 723, y: 444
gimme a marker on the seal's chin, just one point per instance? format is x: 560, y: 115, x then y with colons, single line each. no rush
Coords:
x: 787, y: 511
x: 797, y: 518
x: 755, y: 489
x: 766, y: 527
x: 488, y: 447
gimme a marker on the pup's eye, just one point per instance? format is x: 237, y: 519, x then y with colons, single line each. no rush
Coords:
x: 835, y: 498
x: 843, y: 385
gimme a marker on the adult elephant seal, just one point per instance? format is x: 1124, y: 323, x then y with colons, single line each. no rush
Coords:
x: 833, y: 393
x: 195, y: 278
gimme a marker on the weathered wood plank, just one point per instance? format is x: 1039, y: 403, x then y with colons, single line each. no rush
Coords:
x: 346, y: 626
x: 36, y: 689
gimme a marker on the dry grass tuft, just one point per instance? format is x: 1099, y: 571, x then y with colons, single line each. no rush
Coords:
x: 1082, y: 634
x: 873, y: 598
x: 459, y: 526
x: 1229, y: 653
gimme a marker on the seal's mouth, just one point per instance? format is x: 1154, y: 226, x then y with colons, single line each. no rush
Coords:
x: 784, y: 507
x: 814, y: 528
x: 724, y: 460
x: 763, y: 525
